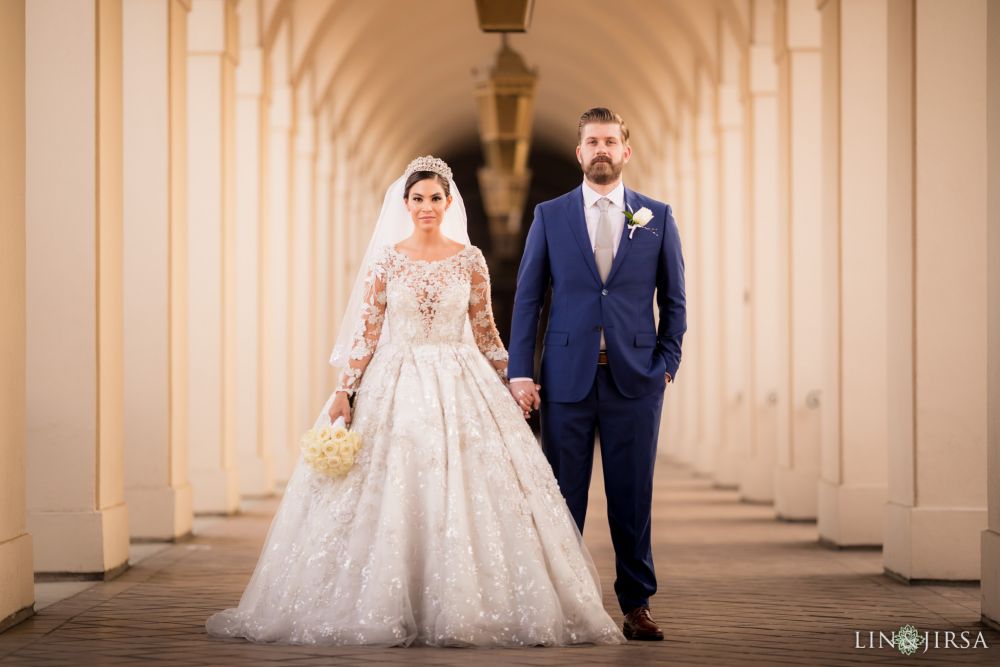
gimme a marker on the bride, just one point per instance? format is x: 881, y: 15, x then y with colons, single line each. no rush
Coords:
x: 450, y: 529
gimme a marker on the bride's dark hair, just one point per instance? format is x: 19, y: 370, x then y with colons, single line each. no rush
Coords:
x: 418, y: 176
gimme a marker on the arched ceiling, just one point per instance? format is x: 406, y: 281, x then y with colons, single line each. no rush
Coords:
x: 396, y: 79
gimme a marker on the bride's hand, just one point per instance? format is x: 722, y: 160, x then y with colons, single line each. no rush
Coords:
x: 341, y: 407
x: 525, y: 394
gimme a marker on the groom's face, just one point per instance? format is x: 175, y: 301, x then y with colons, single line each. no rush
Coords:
x: 602, y: 154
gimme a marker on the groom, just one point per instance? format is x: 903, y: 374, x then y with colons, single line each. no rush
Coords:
x: 604, y: 250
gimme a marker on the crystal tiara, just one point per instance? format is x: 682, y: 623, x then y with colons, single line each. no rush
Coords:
x: 429, y: 163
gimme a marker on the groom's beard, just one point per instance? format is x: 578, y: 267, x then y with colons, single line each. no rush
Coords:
x: 602, y: 171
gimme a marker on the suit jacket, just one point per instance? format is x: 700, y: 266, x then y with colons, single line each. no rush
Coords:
x: 558, y: 253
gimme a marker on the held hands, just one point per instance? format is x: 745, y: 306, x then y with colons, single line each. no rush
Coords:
x: 525, y: 393
x: 341, y: 407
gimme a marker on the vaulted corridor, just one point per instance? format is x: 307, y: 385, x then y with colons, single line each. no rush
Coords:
x: 186, y: 190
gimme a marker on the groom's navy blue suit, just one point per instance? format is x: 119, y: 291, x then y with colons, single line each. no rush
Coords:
x: 621, y: 400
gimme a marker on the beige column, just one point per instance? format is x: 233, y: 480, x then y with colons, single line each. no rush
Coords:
x: 155, y: 291
x: 321, y: 377
x: 354, y: 232
x: 253, y: 454
x: 341, y: 279
x: 672, y: 425
x: 76, y: 488
x: 937, y: 271
x: 709, y: 295
x: 212, y: 56
x: 275, y: 340
x: 360, y: 233
x: 757, y: 478
x: 17, y: 590
x: 991, y: 536
x: 731, y: 456
x: 301, y: 294
x: 797, y: 38
x: 853, y: 460
x: 692, y: 366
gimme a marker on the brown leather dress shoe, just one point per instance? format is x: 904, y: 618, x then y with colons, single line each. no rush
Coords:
x: 640, y: 625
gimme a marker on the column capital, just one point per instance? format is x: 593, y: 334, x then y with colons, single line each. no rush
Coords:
x: 212, y: 28
x: 797, y: 27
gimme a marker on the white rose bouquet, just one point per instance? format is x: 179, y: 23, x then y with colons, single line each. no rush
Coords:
x: 330, y: 450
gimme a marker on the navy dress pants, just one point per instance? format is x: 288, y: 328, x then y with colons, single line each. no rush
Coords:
x: 628, y: 429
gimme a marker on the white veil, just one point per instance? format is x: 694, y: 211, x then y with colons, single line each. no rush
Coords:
x: 394, y: 224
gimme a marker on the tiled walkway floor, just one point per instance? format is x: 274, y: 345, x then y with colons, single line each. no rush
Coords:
x: 737, y: 587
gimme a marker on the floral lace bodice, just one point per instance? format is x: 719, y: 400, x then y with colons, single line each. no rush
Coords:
x: 425, y: 302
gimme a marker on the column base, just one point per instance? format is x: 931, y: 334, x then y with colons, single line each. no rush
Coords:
x: 727, y: 469
x: 17, y: 582
x: 795, y: 495
x: 703, y: 463
x: 850, y: 515
x: 757, y: 481
x: 939, y: 544
x: 990, y: 558
x: 159, y: 513
x: 99, y: 537
x: 256, y: 477
x: 17, y: 617
x: 677, y: 455
x: 216, y: 491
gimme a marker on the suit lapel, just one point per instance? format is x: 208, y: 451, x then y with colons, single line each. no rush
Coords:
x: 577, y: 222
x: 625, y: 243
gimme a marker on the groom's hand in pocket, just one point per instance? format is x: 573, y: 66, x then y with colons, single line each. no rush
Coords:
x: 525, y: 393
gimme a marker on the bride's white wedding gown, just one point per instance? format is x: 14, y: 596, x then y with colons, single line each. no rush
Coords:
x: 450, y: 529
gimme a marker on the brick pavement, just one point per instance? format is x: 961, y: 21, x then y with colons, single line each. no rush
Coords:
x: 737, y: 587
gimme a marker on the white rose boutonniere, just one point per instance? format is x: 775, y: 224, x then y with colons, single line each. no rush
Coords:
x: 638, y: 218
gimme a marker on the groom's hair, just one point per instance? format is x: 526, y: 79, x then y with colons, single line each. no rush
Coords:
x: 601, y: 115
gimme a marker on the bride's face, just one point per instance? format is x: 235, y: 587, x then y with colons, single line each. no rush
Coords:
x: 427, y: 204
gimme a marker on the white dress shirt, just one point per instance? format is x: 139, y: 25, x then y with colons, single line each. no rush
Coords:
x: 616, y: 216
x: 616, y: 213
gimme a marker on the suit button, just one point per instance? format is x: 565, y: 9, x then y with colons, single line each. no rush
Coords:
x: 604, y: 292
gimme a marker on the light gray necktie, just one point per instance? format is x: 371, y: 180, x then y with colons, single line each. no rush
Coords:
x: 604, y: 252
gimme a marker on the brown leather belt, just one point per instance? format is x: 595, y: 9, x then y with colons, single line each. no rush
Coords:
x: 602, y: 358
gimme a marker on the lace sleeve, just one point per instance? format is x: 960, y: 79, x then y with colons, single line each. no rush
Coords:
x: 368, y: 330
x: 481, y: 316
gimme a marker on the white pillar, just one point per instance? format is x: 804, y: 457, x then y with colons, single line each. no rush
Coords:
x: 853, y: 465
x: 275, y: 341
x: 709, y: 293
x: 757, y: 479
x: 253, y: 452
x: 301, y: 294
x: 692, y: 359
x: 672, y: 425
x: 991, y: 536
x: 797, y: 41
x: 155, y: 231
x: 76, y: 492
x: 212, y: 54
x: 341, y: 279
x: 937, y: 290
x: 731, y: 455
x: 323, y: 281
x: 17, y: 592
